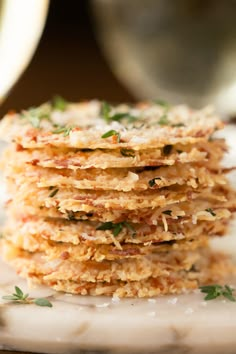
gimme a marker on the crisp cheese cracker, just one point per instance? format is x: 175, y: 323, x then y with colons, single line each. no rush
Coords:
x: 210, y: 268
x: 209, y: 152
x: 84, y: 126
x: 180, y: 212
x: 95, y: 233
x: 98, y: 253
x: 74, y: 200
x: 115, y: 200
x: 123, y: 269
x: 116, y: 179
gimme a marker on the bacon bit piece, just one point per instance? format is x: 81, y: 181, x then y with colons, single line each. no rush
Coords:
x: 142, y: 105
x: 33, y: 275
x: 61, y: 163
x: 7, y: 202
x: 155, y: 282
x: 11, y: 112
x: 227, y: 170
x: 102, y: 266
x: 232, y: 209
x: 199, y: 134
x: 155, y: 163
x: 33, y: 162
x: 127, y: 252
x: 85, y: 198
x: 83, y: 289
x: 52, y: 283
x: 25, y: 218
x: 65, y: 255
x: 19, y: 147
x: 78, y: 164
x: 46, y: 235
x: 115, y: 139
x: 189, y: 195
x: 31, y: 134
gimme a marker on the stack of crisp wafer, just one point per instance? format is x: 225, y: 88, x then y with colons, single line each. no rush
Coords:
x: 118, y: 200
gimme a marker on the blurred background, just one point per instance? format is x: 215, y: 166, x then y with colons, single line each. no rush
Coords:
x: 68, y: 61
x: 122, y: 50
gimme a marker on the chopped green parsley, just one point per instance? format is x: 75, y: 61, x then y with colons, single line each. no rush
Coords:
x: 111, y: 133
x: 53, y: 192
x: 167, y: 212
x: 116, y: 228
x: 65, y: 130
x: 108, y: 116
x: 167, y: 149
x: 152, y: 182
x: 59, y: 103
x: 209, y: 210
x: 127, y: 152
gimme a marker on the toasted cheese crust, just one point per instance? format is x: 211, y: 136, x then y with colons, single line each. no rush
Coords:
x: 210, y: 267
x: 115, y: 200
x: 205, y: 152
x: 26, y: 229
x: 87, y: 126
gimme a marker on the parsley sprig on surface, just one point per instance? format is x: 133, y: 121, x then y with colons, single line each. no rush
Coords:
x: 20, y: 297
x: 106, y: 113
x: 214, y: 291
x: 116, y: 228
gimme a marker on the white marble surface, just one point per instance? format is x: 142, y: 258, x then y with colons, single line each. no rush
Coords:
x: 179, y: 325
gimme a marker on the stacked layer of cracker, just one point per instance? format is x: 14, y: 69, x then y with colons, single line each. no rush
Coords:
x: 115, y: 200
